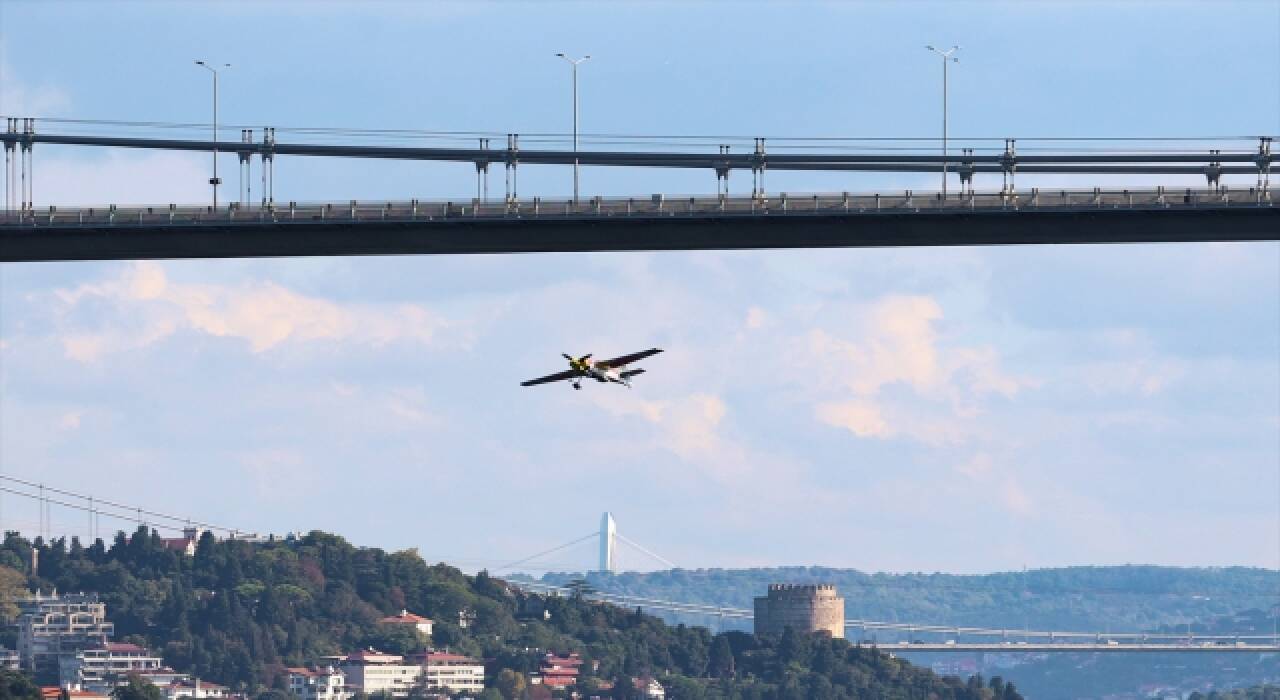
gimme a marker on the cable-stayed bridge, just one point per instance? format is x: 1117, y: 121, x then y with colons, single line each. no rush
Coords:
x: 1215, y: 211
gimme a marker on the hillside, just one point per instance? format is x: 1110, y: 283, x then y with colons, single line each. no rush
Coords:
x: 238, y: 613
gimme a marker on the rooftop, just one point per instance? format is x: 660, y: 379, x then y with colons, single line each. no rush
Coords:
x: 406, y: 617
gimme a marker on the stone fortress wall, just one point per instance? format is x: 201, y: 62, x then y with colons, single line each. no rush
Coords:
x: 805, y: 608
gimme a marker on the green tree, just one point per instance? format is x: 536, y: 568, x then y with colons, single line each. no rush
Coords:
x: 722, y: 662
x: 137, y: 689
x: 13, y: 585
x: 395, y: 639
x: 17, y: 686
x: 489, y: 694
x: 511, y: 684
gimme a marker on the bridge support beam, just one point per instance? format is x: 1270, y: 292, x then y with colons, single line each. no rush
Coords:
x: 345, y: 236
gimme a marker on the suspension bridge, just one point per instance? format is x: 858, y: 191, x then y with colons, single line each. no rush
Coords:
x: 896, y: 636
x: 762, y: 219
x: 900, y: 637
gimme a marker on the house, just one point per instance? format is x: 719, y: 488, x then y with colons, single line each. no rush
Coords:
x: 195, y: 689
x: 650, y: 688
x: 161, y: 678
x: 404, y: 617
x: 371, y: 671
x: 326, y: 683
x: 9, y: 659
x: 455, y: 672
x: 559, y: 671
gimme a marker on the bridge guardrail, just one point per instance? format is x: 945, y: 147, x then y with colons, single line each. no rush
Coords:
x: 779, y: 204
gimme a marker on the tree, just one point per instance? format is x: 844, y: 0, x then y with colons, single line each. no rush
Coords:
x: 511, y: 684
x: 17, y: 686
x: 137, y: 689
x: 395, y: 638
x: 722, y: 662
x: 489, y: 694
x: 13, y: 585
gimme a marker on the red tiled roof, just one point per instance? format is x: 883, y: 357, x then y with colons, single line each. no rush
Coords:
x: 204, y: 685
x: 124, y: 647
x: 367, y: 655
x: 443, y: 656
x: 406, y: 617
x: 55, y: 692
x: 177, y: 542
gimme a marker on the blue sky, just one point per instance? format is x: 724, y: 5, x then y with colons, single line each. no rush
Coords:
x: 946, y: 409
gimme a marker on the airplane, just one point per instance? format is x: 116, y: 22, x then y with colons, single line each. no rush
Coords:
x: 604, y: 371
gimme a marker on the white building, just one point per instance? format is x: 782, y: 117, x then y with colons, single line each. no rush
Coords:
x: 195, y: 689
x: 372, y: 672
x: 93, y: 668
x: 327, y: 683
x: 651, y: 688
x: 455, y: 672
x: 52, y: 625
x: 404, y: 617
x: 9, y: 660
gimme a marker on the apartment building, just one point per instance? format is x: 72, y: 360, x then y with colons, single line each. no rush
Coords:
x: 454, y: 672
x: 52, y: 625
x: 326, y: 683
x: 100, y: 666
x: 371, y: 671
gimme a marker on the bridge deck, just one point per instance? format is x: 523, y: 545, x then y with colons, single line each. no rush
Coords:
x: 654, y: 223
x: 1034, y: 647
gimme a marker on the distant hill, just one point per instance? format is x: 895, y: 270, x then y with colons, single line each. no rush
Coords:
x: 1086, y: 598
x: 1233, y: 600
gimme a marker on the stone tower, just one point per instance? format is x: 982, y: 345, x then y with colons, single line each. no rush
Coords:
x: 805, y: 608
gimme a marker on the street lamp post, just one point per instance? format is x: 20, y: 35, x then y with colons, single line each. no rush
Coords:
x: 946, y: 58
x: 214, y: 181
x: 575, y: 62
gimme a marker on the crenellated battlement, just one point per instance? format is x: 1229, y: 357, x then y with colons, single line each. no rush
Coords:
x: 805, y: 607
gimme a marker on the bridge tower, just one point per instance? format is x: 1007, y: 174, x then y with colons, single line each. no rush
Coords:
x: 608, y: 542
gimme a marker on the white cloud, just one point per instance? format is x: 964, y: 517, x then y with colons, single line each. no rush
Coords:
x: 862, y: 418
x: 265, y: 315
x: 1015, y: 498
x: 977, y: 468
x: 897, y: 344
x: 20, y: 98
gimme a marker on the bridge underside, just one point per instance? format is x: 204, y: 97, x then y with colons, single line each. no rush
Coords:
x: 27, y: 243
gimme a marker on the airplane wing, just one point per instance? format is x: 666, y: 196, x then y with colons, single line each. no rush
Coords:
x: 628, y: 359
x: 558, y: 376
